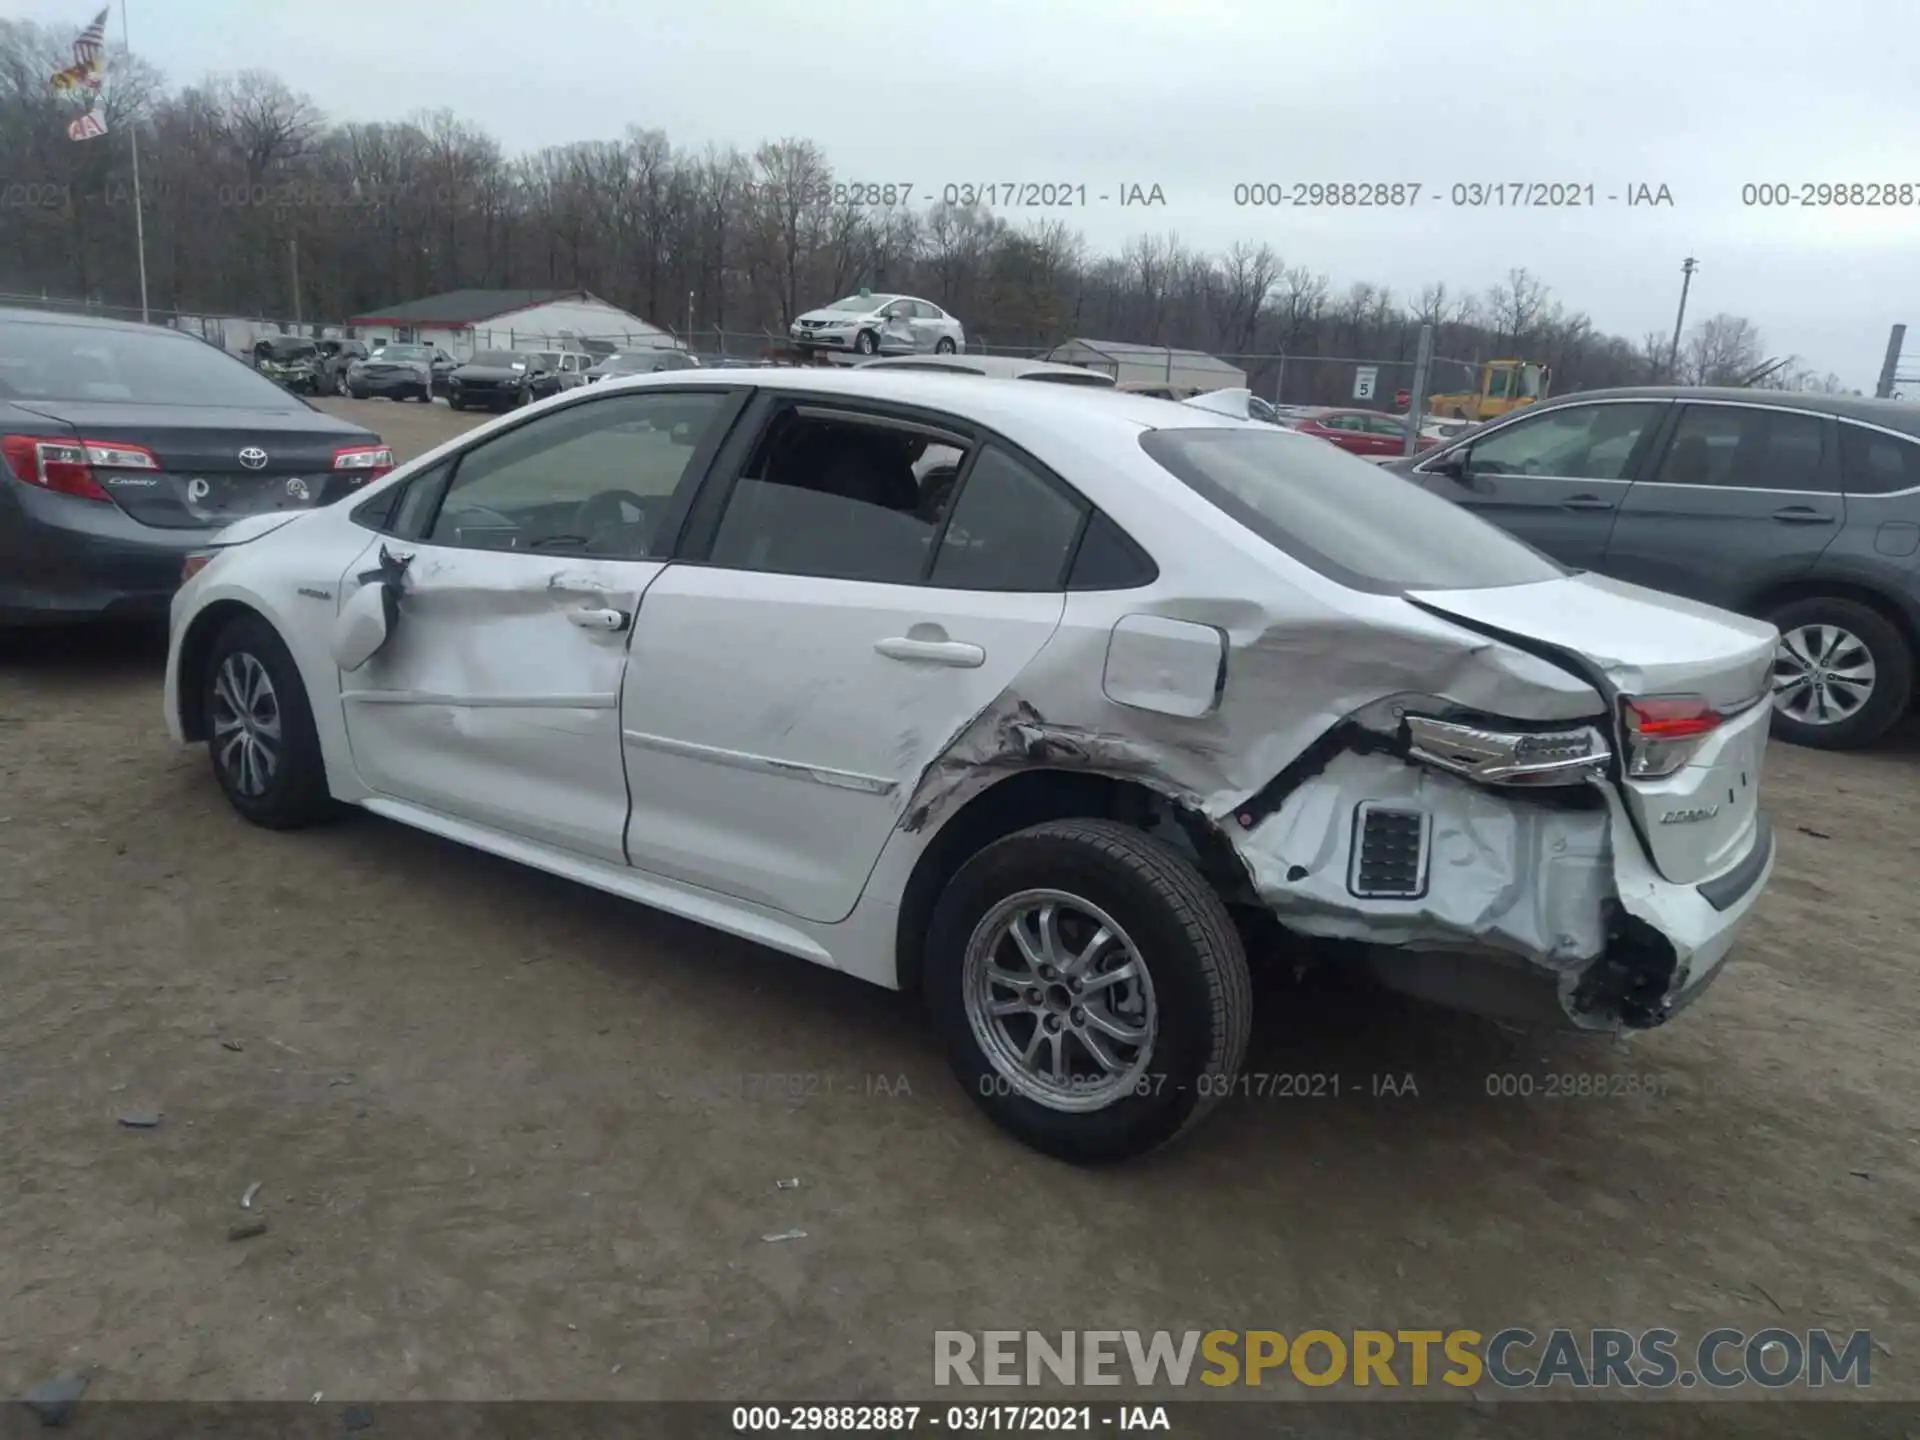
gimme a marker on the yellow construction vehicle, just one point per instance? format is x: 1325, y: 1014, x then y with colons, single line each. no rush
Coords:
x: 1504, y: 385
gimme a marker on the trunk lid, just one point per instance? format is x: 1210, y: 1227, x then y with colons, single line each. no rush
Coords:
x: 202, y: 481
x: 1635, y: 642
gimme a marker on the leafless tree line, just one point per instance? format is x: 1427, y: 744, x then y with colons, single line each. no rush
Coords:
x: 237, y: 169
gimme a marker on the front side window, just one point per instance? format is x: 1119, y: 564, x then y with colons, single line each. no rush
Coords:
x: 1576, y: 442
x: 593, y: 479
x: 1356, y: 523
x: 1744, y: 446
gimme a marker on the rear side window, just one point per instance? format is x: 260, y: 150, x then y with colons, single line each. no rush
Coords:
x: 1875, y: 463
x: 1011, y: 530
x: 1745, y: 447
x: 1358, y: 524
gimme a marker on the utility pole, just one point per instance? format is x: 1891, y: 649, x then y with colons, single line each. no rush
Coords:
x: 690, y: 344
x: 1686, y: 281
x: 133, y: 142
x: 293, y: 262
x: 1423, y: 362
x: 1896, y: 342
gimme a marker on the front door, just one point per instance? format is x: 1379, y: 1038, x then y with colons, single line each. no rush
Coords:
x: 497, y: 698
x: 1556, y: 479
x: 1743, y: 498
x: 846, y: 622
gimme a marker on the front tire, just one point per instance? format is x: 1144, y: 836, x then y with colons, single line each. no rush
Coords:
x: 1842, y: 675
x: 454, y: 402
x: 866, y: 343
x: 1090, y: 987
x: 261, y: 738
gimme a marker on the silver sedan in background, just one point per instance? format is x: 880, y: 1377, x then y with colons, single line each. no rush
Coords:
x: 880, y: 325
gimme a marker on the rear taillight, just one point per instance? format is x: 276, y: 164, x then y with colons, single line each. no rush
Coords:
x: 364, y: 462
x: 66, y: 466
x: 195, y: 563
x: 1664, y: 731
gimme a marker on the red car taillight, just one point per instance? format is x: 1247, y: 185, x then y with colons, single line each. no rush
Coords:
x: 66, y: 466
x: 1663, y: 731
x: 368, y: 462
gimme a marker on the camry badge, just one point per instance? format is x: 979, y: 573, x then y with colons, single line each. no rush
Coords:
x: 297, y: 488
x: 254, y: 458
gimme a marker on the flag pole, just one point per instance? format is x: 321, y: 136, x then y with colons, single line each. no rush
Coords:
x: 133, y: 138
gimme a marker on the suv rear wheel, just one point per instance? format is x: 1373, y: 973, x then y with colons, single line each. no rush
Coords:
x: 1090, y: 987
x: 1842, y: 675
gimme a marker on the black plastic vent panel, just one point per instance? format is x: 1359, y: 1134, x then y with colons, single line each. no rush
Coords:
x: 1389, y: 852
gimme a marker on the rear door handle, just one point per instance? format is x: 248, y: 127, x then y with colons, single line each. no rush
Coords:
x: 1803, y: 515
x: 606, y: 620
x: 1585, y: 502
x: 936, y: 652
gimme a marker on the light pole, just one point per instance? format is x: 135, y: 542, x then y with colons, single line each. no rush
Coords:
x: 1686, y: 281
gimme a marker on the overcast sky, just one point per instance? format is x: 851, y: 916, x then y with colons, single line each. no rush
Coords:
x: 1198, y: 96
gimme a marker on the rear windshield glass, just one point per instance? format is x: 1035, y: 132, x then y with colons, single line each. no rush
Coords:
x: 40, y: 361
x: 1367, y: 528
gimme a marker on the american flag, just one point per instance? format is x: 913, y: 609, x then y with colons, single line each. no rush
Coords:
x: 92, y: 44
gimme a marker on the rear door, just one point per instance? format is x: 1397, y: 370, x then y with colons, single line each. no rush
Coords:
x: 1742, y: 497
x: 1557, y: 478
x: 824, y: 639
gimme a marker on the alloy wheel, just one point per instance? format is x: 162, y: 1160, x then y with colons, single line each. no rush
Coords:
x: 246, y: 724
x: 1059, y: 1000
x: 1822, y: 674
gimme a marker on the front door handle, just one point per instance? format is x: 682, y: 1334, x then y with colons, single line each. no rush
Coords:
x: 1585, y: 502
x: 936, y: 652
x: 1803, y: 515
x: 606, y: 620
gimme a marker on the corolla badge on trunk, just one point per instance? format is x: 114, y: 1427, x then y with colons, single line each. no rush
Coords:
x: 254, y: 458
x: 1690, y: 817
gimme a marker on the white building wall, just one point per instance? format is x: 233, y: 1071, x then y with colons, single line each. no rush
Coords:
x: 545, y: 327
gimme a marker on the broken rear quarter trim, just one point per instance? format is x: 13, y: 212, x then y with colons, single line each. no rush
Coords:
x: 763, y: 764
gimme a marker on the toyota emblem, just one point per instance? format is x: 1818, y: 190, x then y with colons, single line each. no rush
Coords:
x: 254, y: 458
x: 297, y: 488
x: 198, y: 490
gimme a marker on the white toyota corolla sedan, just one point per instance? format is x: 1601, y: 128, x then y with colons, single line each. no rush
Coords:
x: 1047, y: 704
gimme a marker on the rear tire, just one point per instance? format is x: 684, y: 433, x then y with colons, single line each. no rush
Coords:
x: 945, y: 346
x: 1183, y: 982
x: 1842, y: 640
x: 262, y: 742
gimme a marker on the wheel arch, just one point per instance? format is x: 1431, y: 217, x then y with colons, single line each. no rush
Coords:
x: 1033, y: 797
x: 196, y: 649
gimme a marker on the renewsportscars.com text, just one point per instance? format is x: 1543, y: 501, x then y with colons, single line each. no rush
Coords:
x: 1514, y: 1358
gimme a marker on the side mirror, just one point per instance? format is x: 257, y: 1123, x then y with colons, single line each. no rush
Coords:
x: 362, y: 627
x: 1455, y: 464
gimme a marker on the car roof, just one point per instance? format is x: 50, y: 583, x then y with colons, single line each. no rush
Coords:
x: 1092, y: 413
x: 1889, y: 414
x: 1009, y: 367
x: 13, y: 315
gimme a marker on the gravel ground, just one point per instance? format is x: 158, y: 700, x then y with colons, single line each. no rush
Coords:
x: 516, y: 1138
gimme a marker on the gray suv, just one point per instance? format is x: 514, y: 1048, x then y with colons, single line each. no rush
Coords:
x: 1799, y: 509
